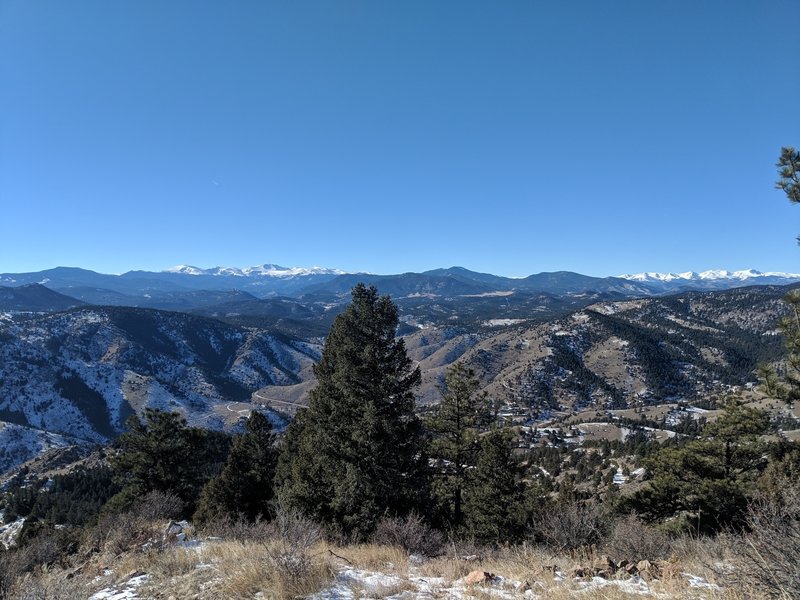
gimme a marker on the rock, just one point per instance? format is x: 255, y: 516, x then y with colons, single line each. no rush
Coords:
x: 580, y: 572
x: 605, y: 564
x: 647, y: 570
x: 173, y: 529
x: 479, y: 577
x: 631, y: 569
x: 177, y: 531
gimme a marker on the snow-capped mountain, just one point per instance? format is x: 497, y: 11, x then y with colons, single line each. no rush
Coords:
x: 710, y: 275
x: 713, y: 279
x: 265, y: 270
x: 185, y: 287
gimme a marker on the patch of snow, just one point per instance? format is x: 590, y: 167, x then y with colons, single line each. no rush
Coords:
x: 498, y: 294
x: 635, y: 586
x: 10, y: 531
x: 502, y: 322
x: 265, y: 270
x: 696, y: 581
x: 126, y: 593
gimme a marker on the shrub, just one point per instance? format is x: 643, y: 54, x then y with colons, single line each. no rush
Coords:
x: 633, y: 540
x: 39, y: 547
x: 769, y: 554
x: 289, y: 554
x: 572, y: 526
x: 410, y: 533
x: 239, y: 529
x: 143, y: 522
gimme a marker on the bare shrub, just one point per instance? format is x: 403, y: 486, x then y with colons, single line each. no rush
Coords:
x: 633, y: 540
x: 769, y: 555
x: 41, y: 548
x: 142, y: 523
x: 572, y: 526
x: 239, y: 529
x: 290, y: 552
x: 158, y: 506
x: 410, y: 533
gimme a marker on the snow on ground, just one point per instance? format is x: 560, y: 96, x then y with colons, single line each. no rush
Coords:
x: 357, y: 583
x: 502, y: 322
x: 10, y: 531
x: 128, y: 592
x: 699, y: 582
x: 354, y: 583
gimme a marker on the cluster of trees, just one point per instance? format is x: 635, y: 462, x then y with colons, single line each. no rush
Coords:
x: 358, y: 454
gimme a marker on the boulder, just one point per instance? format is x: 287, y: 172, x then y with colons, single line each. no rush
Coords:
x: 479, y: 577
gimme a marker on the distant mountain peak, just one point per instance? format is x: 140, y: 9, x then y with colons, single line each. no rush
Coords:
x: 185, y: 269
x: 265, y: 270
x: 710, y: 275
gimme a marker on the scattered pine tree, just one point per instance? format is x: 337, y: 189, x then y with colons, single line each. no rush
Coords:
x: 244, y: 487
x: 495, y: 503
x: 455, y: 425
x: 162, y: 453
x: 356, y: 453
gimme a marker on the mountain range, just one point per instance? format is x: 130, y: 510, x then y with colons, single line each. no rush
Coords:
x: 186, y: 287
x: 80, y: 351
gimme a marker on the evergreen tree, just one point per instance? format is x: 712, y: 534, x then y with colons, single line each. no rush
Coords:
x: 709, y: 481
x: 161, y: 453
x: 355, y: 453
x: 789, y: 173
x: 455, y: 424
x: 495, y: 503
x: 244, y: 487
x: 787, y: 387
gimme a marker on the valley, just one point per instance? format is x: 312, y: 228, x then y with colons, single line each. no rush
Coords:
x: 76, y: 370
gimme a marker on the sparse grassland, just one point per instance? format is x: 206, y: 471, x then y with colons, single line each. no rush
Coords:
x: 269, y: 566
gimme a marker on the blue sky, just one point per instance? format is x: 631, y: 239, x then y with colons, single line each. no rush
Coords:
x: 511, y: 137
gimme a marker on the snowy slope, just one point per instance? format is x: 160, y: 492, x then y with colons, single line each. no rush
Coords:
x: 83, y: 372
x: 265, y: 270
x: 745, y: 275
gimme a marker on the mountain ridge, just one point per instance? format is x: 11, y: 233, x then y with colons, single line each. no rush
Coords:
x: 140, y: 288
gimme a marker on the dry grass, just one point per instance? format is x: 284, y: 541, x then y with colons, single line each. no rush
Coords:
x: 373, y: 557
x: 49, y: 585
x: 235, y: 569
x: 290, y: 561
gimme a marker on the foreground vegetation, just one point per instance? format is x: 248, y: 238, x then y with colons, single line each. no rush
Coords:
x: 142, y: 551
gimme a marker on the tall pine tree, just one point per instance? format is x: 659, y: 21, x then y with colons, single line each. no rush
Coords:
x: 786, y: 386
x: 495, y: 502
x: 355, y: 454
x: 244, y: 487
x: 455, y: 424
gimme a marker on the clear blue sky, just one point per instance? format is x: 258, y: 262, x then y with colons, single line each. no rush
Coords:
x: 511, y: 137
